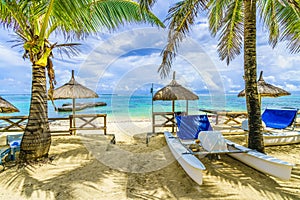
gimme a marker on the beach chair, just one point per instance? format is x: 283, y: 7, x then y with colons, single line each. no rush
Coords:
x: 279, y: 118
x: 192, y: 127
x: 189, y: 126
x: 276, y: 119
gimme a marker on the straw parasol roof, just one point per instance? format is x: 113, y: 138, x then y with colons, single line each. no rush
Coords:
x: 73, y: 90
x: 174, y: 91
x: 266, y: 89
x: 6, y: 107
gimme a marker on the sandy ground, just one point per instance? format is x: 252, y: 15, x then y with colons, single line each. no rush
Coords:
x: 87, y: 166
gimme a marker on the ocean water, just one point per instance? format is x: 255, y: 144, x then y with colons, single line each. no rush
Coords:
x: 140, y: 106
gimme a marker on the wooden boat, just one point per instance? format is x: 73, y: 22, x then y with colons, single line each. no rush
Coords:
x: 190, y: 163
x: 259, y: 161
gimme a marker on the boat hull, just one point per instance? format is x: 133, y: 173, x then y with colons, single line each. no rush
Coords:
x: 262, y: 162
x: 259, y: 161
x: 272, y: 139
x: 191, y: 165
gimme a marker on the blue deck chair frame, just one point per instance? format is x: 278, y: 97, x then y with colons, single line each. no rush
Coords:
x: 190, y: 126
x: 279, y: 118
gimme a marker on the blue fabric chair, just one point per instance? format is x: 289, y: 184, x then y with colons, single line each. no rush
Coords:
x: 189, y: 126
x: 279, y: 118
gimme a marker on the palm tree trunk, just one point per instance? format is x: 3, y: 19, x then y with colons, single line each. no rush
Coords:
x: 255, y: 140
x: 37, y: 139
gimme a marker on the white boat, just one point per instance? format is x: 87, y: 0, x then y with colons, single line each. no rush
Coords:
x: 273, y: 137
x: 259, y: 161
x: 280, y: 138
x: 190, y: 163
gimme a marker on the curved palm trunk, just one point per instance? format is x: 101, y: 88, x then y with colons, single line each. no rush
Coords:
x: 37, y: 139
x: 255, y: 140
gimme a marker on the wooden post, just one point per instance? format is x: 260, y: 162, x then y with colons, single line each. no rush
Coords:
x: 105, y: 125
x: 153, y: 123
x: 71, y: 124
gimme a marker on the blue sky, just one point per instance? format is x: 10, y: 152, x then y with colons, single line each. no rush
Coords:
x: 126, y: 61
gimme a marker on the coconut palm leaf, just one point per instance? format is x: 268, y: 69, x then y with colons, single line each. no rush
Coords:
x: 230, y: 25
x: 267, y: 12
x: 69, y: 49
x: 289, y: 19
x: 146, y: 4
x: 216, y: 14
x: 181, y: 16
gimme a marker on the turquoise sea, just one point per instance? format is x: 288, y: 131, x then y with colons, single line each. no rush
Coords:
x: 140, y: 106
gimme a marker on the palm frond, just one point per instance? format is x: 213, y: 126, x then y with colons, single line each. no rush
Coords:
x: 78, y: 18
x: 113, y: 13
x: 146, y: 4
x: 289, y: 19
x: 216, y: 14
x: 231, y: 34
x: 181, y: 16
x: 69, y: 49
x: 12, y: 16
x: 268, y: 15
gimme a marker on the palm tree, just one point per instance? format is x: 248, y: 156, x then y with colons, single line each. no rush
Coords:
x: 235, y: 21
x: 33, y: 22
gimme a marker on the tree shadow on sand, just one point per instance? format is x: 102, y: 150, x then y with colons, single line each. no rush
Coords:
x: 76, y: 173
x: 224, y: 179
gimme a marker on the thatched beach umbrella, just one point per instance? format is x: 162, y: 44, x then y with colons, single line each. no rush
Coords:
x: 266, y: 89
x: 6, y: 107
x: 73, y: 90
x: 174, y: 91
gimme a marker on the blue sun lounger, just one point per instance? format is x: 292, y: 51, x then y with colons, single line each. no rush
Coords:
x: 189, y: 126
x: 279, y: 118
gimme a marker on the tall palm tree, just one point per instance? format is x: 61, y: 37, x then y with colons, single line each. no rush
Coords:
x: 235, y: 22
x: 34, y: 21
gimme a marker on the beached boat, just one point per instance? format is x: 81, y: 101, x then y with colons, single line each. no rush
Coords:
x: 281, y: 138
x: 279, y: 125
x: 259, y: 161
x: 191, y: 165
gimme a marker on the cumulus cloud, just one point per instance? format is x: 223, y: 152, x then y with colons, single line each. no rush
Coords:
x: 128, y: 60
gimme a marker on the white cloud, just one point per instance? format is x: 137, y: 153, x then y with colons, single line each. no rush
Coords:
x: 292, y: 87
x: 103, y: 66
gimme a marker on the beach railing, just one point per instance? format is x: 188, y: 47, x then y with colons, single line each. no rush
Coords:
x: 87, y: 122
x: 18, y: 123
x: 163, y: 119
x: 15, y: 123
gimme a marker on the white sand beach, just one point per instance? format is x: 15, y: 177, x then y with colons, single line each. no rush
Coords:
x: 87, y: 166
